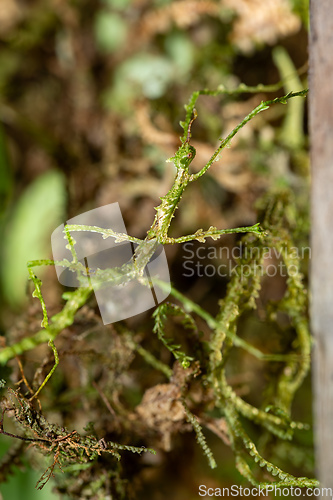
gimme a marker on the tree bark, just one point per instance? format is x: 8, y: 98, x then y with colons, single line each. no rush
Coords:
x: 321, y: 133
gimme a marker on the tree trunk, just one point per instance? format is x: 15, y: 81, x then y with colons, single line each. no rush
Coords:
x: 321, y: 133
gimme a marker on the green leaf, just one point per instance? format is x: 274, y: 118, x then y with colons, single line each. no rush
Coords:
x: 110, y: 31
x: 5, y: 174
x: 27, y: 233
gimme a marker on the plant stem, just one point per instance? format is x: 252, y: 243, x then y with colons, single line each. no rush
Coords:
x: 60, y: 321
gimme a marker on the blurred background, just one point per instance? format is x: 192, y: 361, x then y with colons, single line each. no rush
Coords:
x: 91, y: 96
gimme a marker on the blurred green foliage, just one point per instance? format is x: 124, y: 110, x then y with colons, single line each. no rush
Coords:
x: 110, y: 31
x: 6, y: 180
x: 21, y: 484
x: 26, y: 236
x: 91, y: 95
